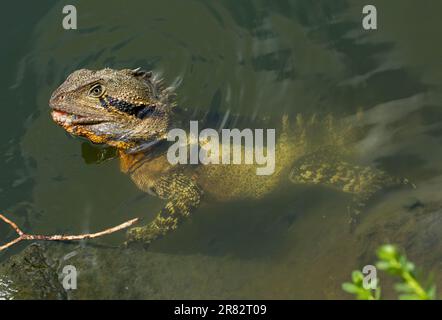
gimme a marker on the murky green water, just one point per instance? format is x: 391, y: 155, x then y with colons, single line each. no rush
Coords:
x: 255, y: 60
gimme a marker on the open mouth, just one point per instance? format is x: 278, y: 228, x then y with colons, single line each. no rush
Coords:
x: 65, y: 119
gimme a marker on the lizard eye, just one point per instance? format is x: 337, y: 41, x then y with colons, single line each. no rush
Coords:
x: 96, y: 91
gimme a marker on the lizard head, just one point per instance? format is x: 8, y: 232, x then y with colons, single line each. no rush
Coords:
x: 122, y: 108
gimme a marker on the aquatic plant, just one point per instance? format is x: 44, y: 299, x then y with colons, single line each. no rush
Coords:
x: 396, y: 264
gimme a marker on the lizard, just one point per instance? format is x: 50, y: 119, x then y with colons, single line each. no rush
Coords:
x: 132, y: 110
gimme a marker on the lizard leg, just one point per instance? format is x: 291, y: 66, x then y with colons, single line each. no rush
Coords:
x: 182, y: 195
x: 326, y: 169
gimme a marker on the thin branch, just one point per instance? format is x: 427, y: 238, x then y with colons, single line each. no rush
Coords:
x: 58, y: 237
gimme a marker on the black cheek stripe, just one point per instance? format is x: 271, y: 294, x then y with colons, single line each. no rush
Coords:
x: 140, y: 111
x: 103, y: 103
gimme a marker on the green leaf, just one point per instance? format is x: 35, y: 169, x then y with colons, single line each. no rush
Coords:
x: 409, y: 266
x: 395, y: 263
x: 365, y: 295
x: 377, y: 293
x: 357, y: 277
x: 387, y: 252
x: 431, y: 292
x: 409, y: 297
x: 383, y: 265
x: 350, y: 288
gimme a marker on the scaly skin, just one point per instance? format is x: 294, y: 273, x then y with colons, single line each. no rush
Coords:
x: 132, y: 111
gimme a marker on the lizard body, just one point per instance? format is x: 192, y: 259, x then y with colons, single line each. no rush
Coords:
x: 132, y: 111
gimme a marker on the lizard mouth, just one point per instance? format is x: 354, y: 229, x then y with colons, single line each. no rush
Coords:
x: 66, y: 119
x: 62, y: 118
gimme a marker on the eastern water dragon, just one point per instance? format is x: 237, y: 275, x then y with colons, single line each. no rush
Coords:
x: 132, y: 111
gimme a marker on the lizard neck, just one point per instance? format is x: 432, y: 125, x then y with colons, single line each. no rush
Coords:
x: 130, y: 160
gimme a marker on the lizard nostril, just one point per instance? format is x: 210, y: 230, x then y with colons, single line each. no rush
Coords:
x: 57, y: 99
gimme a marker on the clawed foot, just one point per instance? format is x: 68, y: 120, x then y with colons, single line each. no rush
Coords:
x: 140, y: 236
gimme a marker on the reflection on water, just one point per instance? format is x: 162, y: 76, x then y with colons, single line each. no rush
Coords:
x: 248, y: 61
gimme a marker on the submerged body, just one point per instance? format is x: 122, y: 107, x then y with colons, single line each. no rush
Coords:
x: 132, y: 111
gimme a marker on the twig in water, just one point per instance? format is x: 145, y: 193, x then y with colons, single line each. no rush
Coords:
x: 58, y: 237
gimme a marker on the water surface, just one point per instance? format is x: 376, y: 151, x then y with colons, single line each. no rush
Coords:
x: 255, y: 60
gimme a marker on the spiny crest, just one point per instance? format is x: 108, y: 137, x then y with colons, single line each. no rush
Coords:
x: 327, y: 130
x: 166, y: 95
